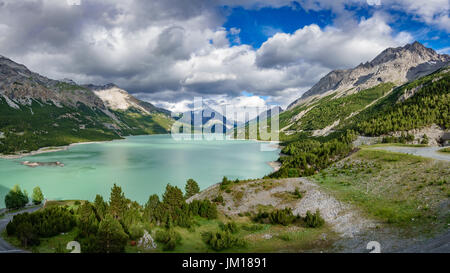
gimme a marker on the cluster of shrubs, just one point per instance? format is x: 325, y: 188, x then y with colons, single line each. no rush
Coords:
x: 29, y: 227
x: 222, y: 239
x: 203, y: 208
x: 226, y: 183
x: 314, y: 220
x: 218, y: 199
x: 169, y: 238
x: 229, y: 227
x: 285, y: 217
x: 101, y: 231
x: 404, y: 138
x: 16, y: 198
x: 174, y: 211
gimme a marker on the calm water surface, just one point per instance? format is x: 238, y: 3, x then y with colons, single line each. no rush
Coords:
x: 141, y: 165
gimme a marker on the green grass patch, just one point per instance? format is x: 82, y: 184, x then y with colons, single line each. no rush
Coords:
x: 55, y: 244
x: 398, y: 189
x: 259, y: 238
x: 329, y: 109
x: 72, y: 204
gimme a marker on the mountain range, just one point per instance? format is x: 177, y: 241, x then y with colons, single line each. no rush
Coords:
x: 396, y: 65
x: 36, y: 111
x: 207, y: 119
x: 342, y: 94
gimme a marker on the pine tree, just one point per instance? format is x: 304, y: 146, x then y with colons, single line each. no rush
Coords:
x: 100, y: 206
x: 111, y: 236
x: 37, y: 196
x: 88, y: 222
x: 191, y: 188
x: 25, y: 233
x: 117, y: 202
x: 152, y: 207
x: 173, y: 197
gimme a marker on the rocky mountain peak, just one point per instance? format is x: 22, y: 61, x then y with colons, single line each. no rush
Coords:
x: 11, y: 68
x: 415, y: 51
x: 396, y: 65
x: 117, y: 98
x: 21, y: 86
x: 94, y: 87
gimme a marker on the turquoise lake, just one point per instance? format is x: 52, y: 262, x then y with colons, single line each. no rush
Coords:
x: 141, y: 165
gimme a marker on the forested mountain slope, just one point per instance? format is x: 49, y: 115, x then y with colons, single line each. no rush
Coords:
x: 420, y: 103
x: 335, y: 103
x: 38, y: 112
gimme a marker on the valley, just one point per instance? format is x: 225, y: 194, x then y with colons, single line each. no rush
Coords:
x: 362, y: 158
x: 363, y: 198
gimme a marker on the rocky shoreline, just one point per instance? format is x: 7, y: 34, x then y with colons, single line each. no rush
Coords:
x: 276, y: 165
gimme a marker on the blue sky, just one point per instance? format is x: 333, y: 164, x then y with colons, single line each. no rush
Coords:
x: 257, y: 25
x: 428, y: 35
x: 246, y: 52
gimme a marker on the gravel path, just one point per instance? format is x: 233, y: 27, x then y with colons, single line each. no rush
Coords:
x: 431, y: 152
x: 5, y: 247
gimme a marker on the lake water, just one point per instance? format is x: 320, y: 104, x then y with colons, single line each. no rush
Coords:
x: 141, y: 165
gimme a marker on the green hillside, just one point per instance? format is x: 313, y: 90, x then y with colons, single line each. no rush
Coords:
x: 429, y: 105
x: 375, y: 111
x: 329, y: 109
x: 42, y: 125
x: 157, y: 123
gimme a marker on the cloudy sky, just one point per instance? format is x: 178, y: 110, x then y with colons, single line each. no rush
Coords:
x: 241, y: 52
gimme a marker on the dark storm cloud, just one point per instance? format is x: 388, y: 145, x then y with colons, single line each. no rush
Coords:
x: 170, y: 50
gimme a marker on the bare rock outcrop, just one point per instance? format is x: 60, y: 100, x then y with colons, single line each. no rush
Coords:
x: 397, y: 65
